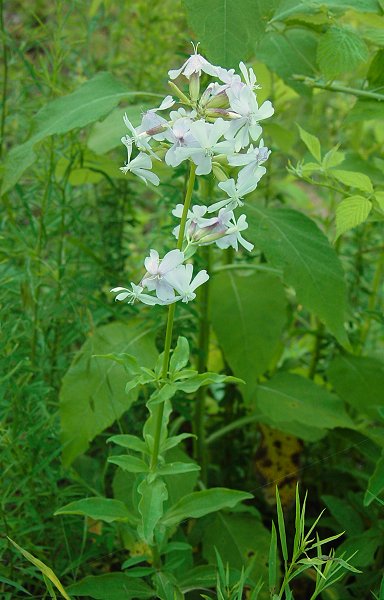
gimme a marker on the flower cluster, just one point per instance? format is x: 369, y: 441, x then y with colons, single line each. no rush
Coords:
x: 219, y: 132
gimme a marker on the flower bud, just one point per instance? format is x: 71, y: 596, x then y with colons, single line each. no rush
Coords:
x: 179, y: 93
x: 218, y: 101
x: 194, y: 86
x: 218, y: 172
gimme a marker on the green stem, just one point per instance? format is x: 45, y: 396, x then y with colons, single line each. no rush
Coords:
x: 159, y: 409
x: 372, y: 300
x: 334, y: 87
x: 231, y: 426
x: 200, y: 452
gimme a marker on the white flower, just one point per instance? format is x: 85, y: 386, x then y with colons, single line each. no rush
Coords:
x: 249, y: 77
x: 135, y: 294
x: 194, y: 64
x: 166, y: 103
x: 207, y: 136
x: 181, y: 281
x: 236, y: 192
x: 140, y: 166
x: 137, y: 137
x: 233, y: 235
x: 156, y: 277
x: 195, y: 219
x: 244, y: 103
x: 251, y: 160
x: 179, y: 135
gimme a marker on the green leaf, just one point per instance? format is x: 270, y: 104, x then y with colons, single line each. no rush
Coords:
x: 359, y: 381
x: 153, y: 495
x: 312, y: 143
x: 92, y: 392
x: 99, y: 509
x: 248, y: 314
x: 46, y: 571
x: 228, y: 30
x: 290, y: 398
x: 238, y: 537
x: 376, y: 482
x: 175, y: 440
x: 366, y: 110
x: 352, y: 179
x: 332, y: 158
x: 198, y: 578
x: 272, y: 562
x: 176, y: 468
x: 289, y: 53
x: 281, y: 524
x: 351, y: 212
x: 343, y: 512
x: 91, y: 101
x: 180, y: 356
x: 294, y: 243
x: 166, y: 392
x: 106, y: 135
x: 293, y: 8
x: 112, y: 586
x: 340, y: 50
x: 129, y: 441
x: 196, y: 382
x: 202, y: 503
x: 129, y: 463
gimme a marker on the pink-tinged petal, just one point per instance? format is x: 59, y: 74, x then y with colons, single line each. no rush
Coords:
x: 170, y: 261
x: 200, y: 278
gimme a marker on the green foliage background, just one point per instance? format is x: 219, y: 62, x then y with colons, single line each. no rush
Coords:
x: 309, y: 300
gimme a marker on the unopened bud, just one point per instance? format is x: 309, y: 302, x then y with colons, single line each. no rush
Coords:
x: 179, y: 93
x: 218, y: 172
x: 156, y: 130
x: 194, y: 86
x: 218, y: 101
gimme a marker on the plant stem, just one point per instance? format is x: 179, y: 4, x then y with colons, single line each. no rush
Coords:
x: 334, y: 87
x: 159, y: 409
x: 372, y: 300
x: 200, y: 452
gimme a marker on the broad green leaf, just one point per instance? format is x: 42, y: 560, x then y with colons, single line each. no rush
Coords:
x: 129, y: 463
x: 129, y: 441
x: 312, y: 143
x: 365, y: 546
x: 366, y: 110
x: 180, y: 356
x: 184, y: 483
x: 91, y: 101
x: 287, y: 397
x: 202, y: 503
x: 112, y: 586
x: 167, y: 586
x: 290, y: 53
x: 92, y: 395
x: 106, y: 135
x: 153, y: 495
x: 359, y: 381
x: 228, y: 30
x: 99, y: 509
x: 379, y: 197
x: 348, y: 519
x: 340, y: 50
x: 166, y: 392
x: 175, y: 468
x: 352, y: 179
x: 198, y: 578
x: 376, y: 482
x: 248, y: 315
x: 351, y: 212
x: 293, y: 8
x: 333, y: 158
x: 238, y: 537
x: 291, y: 241
x: 46, y: 571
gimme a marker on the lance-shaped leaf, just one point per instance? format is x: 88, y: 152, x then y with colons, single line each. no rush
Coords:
x: 99, y: 509
x: 293, y: 242
x: 202, y: 503
x: 132, y: 464
x: 153, y: 495
x: 180, y: 356
x: 114, y: 586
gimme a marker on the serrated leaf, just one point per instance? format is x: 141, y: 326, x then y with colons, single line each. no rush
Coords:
x: 248, y: 315
x: 46, y: 571
x: 353, y: 179
x: 114, y: 586
x: 228, y: 34
x: 202, y: 503
x: 288, y: 397
x: 99, y: 509
x: 340, y: 50
x: 294, y: 243
x: 351, y: 212
x: 312, y: 143
x: 92, y: 391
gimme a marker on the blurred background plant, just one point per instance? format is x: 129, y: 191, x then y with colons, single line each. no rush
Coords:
x: 72, y: 227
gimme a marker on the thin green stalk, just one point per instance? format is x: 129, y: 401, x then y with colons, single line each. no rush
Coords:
x: 159, y: 410
x: 372, y: 300
x: 200, y: 450
x: 5, y: 78
x: 334, y: 87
